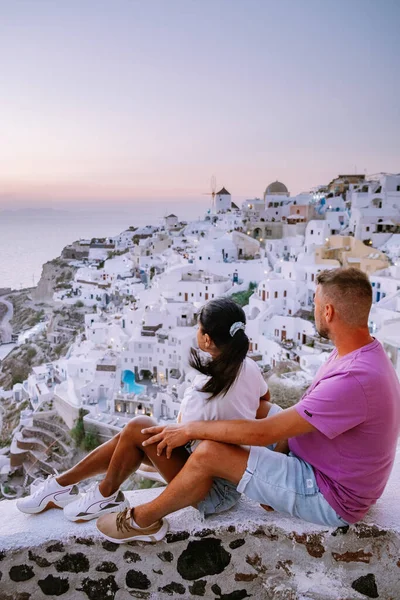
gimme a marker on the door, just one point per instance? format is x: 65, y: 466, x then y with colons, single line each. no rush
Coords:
x: 283, y: 335
x: 186, y: 296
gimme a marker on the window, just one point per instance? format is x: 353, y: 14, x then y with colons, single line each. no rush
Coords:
x: 398, y: 188
x: 275, y: 294
x: 312, y: 231
x: 367, y: 229
x: 285, y: 294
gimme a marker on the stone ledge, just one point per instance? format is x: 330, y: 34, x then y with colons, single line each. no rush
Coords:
x: 243, y: 553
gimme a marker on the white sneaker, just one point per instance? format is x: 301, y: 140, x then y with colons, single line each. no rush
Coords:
x: 47, y: 494
x: 93, y: 504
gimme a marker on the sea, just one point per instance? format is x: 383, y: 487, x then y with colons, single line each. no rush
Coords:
x: 29, y: 237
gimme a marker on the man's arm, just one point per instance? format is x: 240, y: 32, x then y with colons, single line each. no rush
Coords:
x: 283, y: 425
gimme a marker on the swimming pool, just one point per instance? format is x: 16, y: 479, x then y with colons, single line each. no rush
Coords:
x: 129, y: 384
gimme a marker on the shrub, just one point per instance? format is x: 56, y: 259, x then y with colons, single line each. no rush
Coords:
x: 78, y: 431
x: 91, y: 441
x: 19, y: 374
x: 242, y: 298
x: 30, y: 353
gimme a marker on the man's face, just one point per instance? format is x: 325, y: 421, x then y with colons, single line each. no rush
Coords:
x: 321, y: 324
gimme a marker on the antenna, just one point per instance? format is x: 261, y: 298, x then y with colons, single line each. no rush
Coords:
x: 213, y: 187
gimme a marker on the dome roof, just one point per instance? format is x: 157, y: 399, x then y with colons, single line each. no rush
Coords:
x: 276, y: 188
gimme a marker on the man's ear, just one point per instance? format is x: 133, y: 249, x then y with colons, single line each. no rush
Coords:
x: 207, y: 340
x: 329, y: 312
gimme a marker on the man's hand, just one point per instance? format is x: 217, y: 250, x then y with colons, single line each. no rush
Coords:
x: 167, y: 437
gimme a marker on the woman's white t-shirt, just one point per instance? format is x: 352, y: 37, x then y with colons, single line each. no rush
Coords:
x: 241, y: 401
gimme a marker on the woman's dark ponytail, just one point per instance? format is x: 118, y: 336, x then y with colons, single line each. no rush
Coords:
x: 223, y: 320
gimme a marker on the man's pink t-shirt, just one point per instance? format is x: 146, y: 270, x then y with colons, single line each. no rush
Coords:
x: 354, y: 403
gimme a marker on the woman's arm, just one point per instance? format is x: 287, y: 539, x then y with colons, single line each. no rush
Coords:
x: 265, y: 405
x: 262, y: 413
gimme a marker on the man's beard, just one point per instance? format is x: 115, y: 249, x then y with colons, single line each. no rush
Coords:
x: 323, y: 332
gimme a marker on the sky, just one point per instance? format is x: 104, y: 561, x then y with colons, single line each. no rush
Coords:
x: 131, y: 99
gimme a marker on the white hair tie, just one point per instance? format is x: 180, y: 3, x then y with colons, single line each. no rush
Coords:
x: 235, y: 327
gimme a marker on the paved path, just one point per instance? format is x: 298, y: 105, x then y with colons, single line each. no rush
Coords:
x: 5, y: 327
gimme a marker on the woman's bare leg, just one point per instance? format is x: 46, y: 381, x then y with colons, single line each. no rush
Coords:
x: 121, y: 456
x: 191, y: 485
x: 94, y: 463
x: 129, y: 453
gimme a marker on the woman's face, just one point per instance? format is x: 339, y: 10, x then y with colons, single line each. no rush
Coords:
x: 205, y: 343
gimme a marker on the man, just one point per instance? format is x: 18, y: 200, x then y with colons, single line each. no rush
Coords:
x: 342, y: 435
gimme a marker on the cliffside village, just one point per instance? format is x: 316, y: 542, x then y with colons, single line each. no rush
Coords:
x: 145, y: 286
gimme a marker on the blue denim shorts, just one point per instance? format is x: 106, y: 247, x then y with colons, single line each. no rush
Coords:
x: 222, y: 495
x: 285, y: 482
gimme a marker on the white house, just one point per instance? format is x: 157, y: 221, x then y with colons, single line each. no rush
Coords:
x: 223, y: 201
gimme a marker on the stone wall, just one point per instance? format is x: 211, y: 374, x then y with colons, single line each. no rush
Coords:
x: 243, y: 553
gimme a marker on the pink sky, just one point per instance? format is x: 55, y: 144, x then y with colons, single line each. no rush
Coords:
x: 149, y: 100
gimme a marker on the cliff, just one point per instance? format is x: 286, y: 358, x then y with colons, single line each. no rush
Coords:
x: 54, y: 273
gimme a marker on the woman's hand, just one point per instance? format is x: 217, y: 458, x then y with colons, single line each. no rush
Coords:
x: 167, y: 437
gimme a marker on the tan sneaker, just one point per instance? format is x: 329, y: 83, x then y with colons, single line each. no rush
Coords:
x: 121, y: 527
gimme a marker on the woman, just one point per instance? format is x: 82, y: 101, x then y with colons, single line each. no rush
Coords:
x: 228, y: 385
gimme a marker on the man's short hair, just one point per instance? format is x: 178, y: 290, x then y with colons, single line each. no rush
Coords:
x: 350, y: 293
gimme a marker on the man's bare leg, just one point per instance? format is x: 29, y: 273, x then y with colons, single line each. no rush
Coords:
x: 192, y: 483
x: 121, y: 456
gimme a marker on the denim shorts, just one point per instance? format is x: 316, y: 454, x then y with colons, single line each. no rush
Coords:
x: 287, y: 484
x: 221, y: 496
